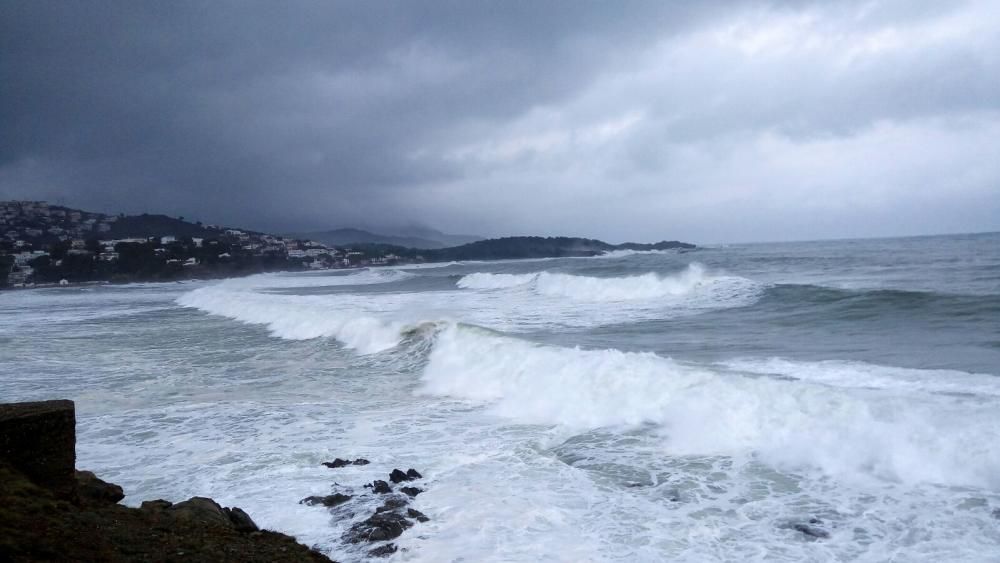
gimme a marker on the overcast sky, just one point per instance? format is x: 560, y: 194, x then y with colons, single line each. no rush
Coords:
x: 700, y: 121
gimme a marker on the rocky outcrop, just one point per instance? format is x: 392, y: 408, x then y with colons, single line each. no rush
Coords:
x: 51, y: 512
x: 337, y: 463
x: 39, y: 439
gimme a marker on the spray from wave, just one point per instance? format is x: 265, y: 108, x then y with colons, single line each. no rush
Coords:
x: 647, y: 286
x: 796, y: 424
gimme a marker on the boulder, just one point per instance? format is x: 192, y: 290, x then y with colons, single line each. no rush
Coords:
x: 411, y: 491
x: 39, y: 440
x: 417, y: 515
x: 241, y: 520
x: 336, y: 463
x: 92, y: 489
x: 335, y: 499
x: 380, y: 487
x: 202, y: 511
x: 381, y: 526
x: 398, y: 476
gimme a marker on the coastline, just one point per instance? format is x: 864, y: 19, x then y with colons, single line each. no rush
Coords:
x: 50, y: 511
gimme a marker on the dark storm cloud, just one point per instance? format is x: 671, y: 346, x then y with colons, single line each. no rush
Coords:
x: 498, y: 117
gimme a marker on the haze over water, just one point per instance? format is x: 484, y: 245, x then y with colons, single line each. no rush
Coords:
x: 692, y: 406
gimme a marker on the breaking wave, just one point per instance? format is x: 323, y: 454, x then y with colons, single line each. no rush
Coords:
x: 585, y: 288
x: 889, y: 434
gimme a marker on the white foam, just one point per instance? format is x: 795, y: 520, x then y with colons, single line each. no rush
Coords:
x: 649, y: 286
x: 795, y: 424
x: 850, y: 374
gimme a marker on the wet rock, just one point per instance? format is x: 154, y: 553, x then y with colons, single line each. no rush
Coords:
x: 381, y: 526
x: 397, y: 476
x: 417, y: 515
x: 241, y: 520
x: 380, y: 487
x: 92, y: 489
x: 383, y: 551
x: 811, y: 531
x: 411, y: 491
x: 202, y: 511
x: 393, y: 503
x: 335, y: 499
x: 336, y: 463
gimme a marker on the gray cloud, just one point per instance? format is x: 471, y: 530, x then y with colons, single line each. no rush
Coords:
x: 702, y: 121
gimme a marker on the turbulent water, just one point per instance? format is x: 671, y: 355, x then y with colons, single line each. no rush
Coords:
x: 682, y: 406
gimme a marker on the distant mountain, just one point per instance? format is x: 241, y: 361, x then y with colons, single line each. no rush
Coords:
x: 410, y: 237
x: 509, y: 248
x: 542, y: 247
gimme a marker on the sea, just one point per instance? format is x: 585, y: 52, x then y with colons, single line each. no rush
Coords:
x: 807, y: 401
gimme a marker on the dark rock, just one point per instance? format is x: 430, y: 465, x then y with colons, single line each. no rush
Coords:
x: 413, y: 474
x: 383, y: 551
x: 417, y: 515
x: 241, y: 520
x: 202, y: 511
x: 345, y: 462
x: 393, y: 504
x: 411, y: 491
x: 39, y: 440
x: 398, y: 476
x: 335, y: 499
x: 380, y: 526
x: 811, y: 531
x: 158, y: 504
x: 381, y: 487
x: 91, y: 489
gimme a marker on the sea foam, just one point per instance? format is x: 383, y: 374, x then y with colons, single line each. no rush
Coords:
x: 800, y: 425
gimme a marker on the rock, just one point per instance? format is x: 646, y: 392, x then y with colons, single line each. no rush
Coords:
x: 398, y: 476
x: 158, y: 504
x: 39, y: 440
x: 241, y: 520
x: 91, y: 489
x: 380, y: 526
x: 411, y: 491
x: 417, y: 515
x: 335, y: 499
x: 392, y: 504
x: 200, y: 510
x: 383, y: 551
x: 381, y: 487
x: 811, y: 531
x: 345, y: 462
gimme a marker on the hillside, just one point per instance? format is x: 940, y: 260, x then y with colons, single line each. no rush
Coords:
x: 511, y: 248
x: 346, y: 237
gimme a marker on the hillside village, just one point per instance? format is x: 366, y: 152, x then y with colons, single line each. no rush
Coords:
x: 43, y: 244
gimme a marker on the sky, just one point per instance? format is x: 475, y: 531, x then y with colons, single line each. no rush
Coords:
x: 698, y: 121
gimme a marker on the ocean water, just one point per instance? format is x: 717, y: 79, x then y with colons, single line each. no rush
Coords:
x: 667, y: 406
